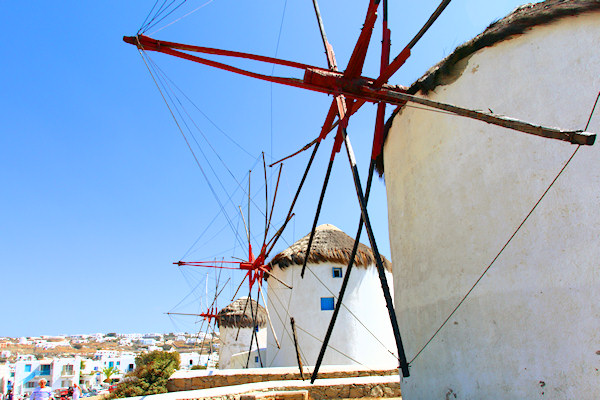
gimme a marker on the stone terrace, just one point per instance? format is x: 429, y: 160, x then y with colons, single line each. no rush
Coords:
x: 203, y: 379
x: 334, y: 382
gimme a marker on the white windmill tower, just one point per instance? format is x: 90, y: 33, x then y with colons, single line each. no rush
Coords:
x: 362, y: 335
x: 494, y: 234
x: 242, y: 334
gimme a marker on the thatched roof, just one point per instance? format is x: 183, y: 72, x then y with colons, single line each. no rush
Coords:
x: 238, y: 314
x: 518, y: 22
x: 330, y: 245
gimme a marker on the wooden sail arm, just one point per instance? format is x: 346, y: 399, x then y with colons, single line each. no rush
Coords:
x: 208, y: 264
x: 357, y: 59
x: 391, y: 96
x: 148, y: 43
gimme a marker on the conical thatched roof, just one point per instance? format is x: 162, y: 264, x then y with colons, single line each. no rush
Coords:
x: 239, y: 315
x: 330, y: 245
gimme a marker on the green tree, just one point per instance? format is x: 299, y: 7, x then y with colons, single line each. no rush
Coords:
x: 108, y: 372
x: 150, y: 376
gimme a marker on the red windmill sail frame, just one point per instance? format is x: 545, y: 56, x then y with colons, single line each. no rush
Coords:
x: 255, y: 267
x: 348, y: 83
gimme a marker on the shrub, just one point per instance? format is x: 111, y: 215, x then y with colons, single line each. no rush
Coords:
x: 150, y: 376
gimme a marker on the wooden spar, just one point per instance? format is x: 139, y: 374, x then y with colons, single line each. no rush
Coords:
x: 571, y: 136
x: 338, y: 303
x: 279, y: 280
x: 290, y: 214
x: 237, y: 335
x: 260, y: 293
x: 274, y: 198
x: 238, y: 289
x: 297, y: 348
x: 254, y: 335
x: 306, y: 147
x: 266, y: 199
x: 379, y: 264
x: 317, y: 213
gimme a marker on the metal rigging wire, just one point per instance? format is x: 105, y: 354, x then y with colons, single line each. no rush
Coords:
x: 153, y: 22
x: 155, y: 78
x: 182, y: 17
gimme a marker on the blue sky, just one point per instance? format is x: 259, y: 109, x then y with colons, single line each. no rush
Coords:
x: 100, y: 194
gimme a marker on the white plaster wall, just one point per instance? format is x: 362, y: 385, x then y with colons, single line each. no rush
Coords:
x: 230, y: 345
x: 240, y: 360
x: 363, y: 296
x: 457, y: 189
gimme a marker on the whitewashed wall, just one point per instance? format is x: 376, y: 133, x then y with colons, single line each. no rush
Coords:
x: 230, y: 345
x: 363, y: 296
x: 457, y: 189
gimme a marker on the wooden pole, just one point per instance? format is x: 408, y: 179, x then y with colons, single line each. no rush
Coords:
x: 575, y: 137
x: 380, y: 269
x: 268, y: 315
x: 297, y: 348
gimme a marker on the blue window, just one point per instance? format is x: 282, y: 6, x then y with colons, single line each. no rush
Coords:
x: 255, y: 358
x: 111, y: 364
x: 44, y: 369
x: 337, y: 272
x: 27, y: 367
x: 327, y: 303
x: 118, y: 362
x: 95, y: 368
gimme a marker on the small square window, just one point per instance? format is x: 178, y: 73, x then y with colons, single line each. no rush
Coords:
x: 27, y: 367
x: 337, y: 272
x: 327, y: 303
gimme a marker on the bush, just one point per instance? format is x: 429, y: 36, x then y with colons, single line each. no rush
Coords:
x: 150, y: 376
x: 198, y: 366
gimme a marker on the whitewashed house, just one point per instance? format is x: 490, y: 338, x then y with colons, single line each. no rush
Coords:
x: 189, y: 360
x: 458, y: 190
x: 5, y: 378
x: 238, y: 322
x: 362, y: 333
x: 121, y: 362
x: 58, y: 372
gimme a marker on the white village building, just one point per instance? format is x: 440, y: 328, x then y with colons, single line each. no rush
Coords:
x: 58, y: 372
x: 362, y: 334
x: 189, y: 360
x: 458, y: 190
x: 119, y: 362
x: 241, y: 324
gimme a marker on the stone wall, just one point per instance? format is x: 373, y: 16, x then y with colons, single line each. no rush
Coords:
x: 319, y: 392
x: 177, y: 384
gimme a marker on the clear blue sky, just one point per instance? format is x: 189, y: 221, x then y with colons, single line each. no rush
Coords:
x: 99, y: 193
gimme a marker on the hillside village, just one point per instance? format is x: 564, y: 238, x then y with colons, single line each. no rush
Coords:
x: 92, y: 360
